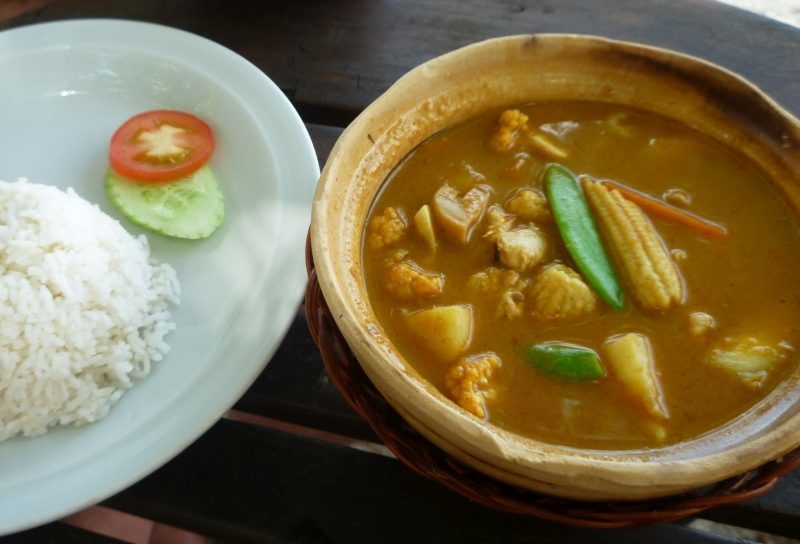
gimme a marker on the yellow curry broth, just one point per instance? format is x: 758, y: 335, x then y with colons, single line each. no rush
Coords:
x: 746, y: 281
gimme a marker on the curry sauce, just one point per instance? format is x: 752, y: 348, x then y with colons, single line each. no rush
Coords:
x: 464, y: 226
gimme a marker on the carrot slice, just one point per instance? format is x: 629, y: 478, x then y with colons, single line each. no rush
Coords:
x: 671, y: 213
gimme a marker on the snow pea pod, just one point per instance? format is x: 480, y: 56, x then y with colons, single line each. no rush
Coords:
x: 580, y: 235
x: 565, y: 361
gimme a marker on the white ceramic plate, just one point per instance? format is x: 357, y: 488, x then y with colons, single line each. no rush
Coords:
x: 65, y: 88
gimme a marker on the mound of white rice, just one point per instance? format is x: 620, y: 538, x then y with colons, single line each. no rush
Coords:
x: 83, y: 309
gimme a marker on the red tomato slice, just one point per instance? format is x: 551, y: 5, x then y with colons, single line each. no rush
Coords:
x: 161, y: 145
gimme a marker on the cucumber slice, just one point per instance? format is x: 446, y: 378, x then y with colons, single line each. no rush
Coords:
x: 190, y: 207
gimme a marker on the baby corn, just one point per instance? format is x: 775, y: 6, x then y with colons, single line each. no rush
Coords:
x: 644, y: 259
x: 559, y: 293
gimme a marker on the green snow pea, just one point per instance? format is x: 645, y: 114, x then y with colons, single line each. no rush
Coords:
x: 579, y: 232
x: 565, y: 361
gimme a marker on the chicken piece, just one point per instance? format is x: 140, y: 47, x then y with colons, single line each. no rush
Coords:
x: 497, y: 222
x: 386, y: 228
x: 457, y: 215
x: 701, y: 323
x: 546, y: 147
x: 645, y: 261
x: 445, y: 330
x: 509, y: 125
x: 405, y: 279
x: 749, y: 359
x: 504, y: 286
x: 631, y: 360
x: 558, y: 292
x: 522, y: 249
x: 423, y: 221
x: 468, y: 383
x: 530, y: 205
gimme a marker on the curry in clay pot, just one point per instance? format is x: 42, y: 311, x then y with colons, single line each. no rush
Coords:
x: 587, y: 274
x: 570, y: 263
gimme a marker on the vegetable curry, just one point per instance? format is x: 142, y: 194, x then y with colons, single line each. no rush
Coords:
x: 587, y: 274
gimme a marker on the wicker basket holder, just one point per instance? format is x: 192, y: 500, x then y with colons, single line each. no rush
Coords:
x: 427, y: 459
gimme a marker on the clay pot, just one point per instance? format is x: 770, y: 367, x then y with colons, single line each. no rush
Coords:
x: 515, y: 70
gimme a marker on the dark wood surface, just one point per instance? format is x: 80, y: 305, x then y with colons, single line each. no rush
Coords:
x: 59, y: 533
x: 299, y: 478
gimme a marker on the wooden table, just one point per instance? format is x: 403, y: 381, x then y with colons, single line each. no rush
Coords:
x: 292, y: 463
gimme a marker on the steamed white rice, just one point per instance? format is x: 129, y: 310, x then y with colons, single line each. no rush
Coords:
x: 83, y: 309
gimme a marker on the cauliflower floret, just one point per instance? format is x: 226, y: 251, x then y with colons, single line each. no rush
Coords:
x: 386, y: 228
x: 750, y: 359
x: 497, y: 222
x: 701, y: 323
x: 509, y: 124
x: 505, y: 286
x: 522, y: 249
x: 529, y: 205
x: 558, y: 292
x: 468, y: 383
x: 405, y: 279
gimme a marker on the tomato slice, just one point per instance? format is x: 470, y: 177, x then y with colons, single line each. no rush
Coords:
x: 161, y: 145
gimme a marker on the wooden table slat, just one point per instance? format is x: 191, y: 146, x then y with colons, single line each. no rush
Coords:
x: 58, y: 533
x: 335, y: 58
x: 776, y: 512
x: 296, y: 388
x: 254, y: 484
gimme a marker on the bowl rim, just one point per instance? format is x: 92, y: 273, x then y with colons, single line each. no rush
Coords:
x: 628, y: 469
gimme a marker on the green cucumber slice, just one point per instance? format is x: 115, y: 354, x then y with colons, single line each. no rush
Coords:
x: 191, y: 207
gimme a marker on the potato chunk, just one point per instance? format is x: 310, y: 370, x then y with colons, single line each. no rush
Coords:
x: 509, y: 125
x: 558, y: 292
x: 749, y: 359
x: 530, y: 205
x: 457, y: 215
x: 654, y: 279
x: 445, y: 330
x: 386, y: 228
x: 630, y: 358
x: 522, y: 249
x: 405, y: 279
x: 423, y: 221
x: 468, y: 383
x: 504, y: 286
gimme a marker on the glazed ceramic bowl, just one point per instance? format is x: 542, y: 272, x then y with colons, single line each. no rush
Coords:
x: 515, y: 70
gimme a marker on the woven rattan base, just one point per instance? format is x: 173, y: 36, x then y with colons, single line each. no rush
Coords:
x: 427, y: 459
